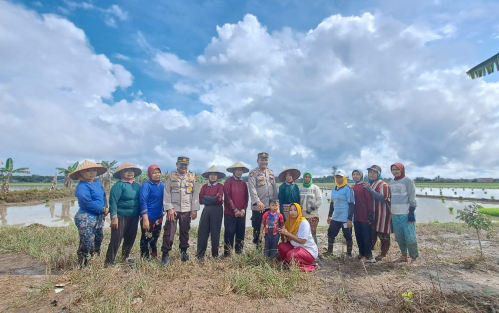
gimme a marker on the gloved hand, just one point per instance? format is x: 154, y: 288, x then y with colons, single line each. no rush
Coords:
x: 209, y: 200
x: 411, y: 218
x: 370, y: 218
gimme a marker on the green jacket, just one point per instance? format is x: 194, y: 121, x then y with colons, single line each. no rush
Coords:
x: 124, y: 199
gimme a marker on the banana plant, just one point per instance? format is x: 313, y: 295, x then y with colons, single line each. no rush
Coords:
x: 68, y: 183
x: 7, y: 171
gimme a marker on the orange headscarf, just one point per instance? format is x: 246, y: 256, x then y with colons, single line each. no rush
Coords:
x: 292, y: 224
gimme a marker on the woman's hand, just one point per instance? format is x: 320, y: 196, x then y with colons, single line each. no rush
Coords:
x: 114, y: 223
x: 349, y: 224
x: 283, y: 231
x: 329, y: 220
x: 194, y: 214
x: 106, y: 211
x: 145, y: 222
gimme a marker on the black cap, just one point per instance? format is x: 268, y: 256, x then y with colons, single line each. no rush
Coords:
x: 375, y: 168
x: 183, y: 159
x: 263, y: 155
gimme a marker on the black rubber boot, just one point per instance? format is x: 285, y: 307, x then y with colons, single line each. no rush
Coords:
x: 184, y: 257
x: 165, y: 259
x: 349, y: 249
x: 330, y: 245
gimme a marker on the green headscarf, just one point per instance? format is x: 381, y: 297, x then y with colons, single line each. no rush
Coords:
x: 311, y: 180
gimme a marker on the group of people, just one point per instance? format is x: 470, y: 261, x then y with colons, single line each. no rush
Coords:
x: 287, y: 219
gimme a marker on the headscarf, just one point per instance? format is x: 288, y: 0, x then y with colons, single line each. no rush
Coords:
x: 151, y: 169
x: 372, y: 181
x: 361, y: 175
x: 345, y: 181
x: 311, y: 180
x: 292, y: 224
x: 401, y: 168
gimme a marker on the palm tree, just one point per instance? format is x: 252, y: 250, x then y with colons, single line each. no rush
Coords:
x: 106, y: 179
x: 68, y: 183
x: 7, y: 172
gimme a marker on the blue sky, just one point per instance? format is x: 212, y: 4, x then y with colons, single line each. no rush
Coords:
x: 344, y: 83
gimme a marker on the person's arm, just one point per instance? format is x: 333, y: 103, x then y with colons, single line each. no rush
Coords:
x: 114, y: 197
x: 290, y: 236
x: 143, y: 196
x: 317, y: 197
x: 202, y: 194
x: 167, y: 195
x: 252, y: 189
x: 220, y: 193
x: 411, y: 192
x: 376, y: 195
x: 84, y: 196
x: 280, y: 196
x: 195, y: 198
x: 351, y: 204
x: 229, y: 204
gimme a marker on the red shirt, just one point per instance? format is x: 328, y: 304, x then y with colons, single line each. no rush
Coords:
x: 277, y: 222
x: 236, y: 195
x: 363, y: 204
x: 216, y: 190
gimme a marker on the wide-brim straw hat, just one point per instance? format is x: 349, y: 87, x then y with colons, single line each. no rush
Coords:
x: 124, y: 166
x: 85, y: 165
x: 214, y: 170
x: 237, y: 165
x: 294, y: 172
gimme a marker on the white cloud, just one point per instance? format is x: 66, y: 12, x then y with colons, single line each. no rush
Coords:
x: 350, y: 92
x: 110, y: 14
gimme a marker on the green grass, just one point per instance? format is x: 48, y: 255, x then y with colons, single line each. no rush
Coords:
x: 490, y: 211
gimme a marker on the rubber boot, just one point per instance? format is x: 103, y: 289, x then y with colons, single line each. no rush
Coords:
x: 184, y: 257
x: 349, y: 249
x: 165, y: 259
x: 329, y: 251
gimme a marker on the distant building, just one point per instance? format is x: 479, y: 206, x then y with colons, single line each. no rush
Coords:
x: 485, y: 180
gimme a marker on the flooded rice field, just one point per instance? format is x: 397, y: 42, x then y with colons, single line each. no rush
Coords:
x: 61, y: 212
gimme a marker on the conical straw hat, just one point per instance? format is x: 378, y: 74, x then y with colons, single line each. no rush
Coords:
x: 237, y: 165
x: 294, y: 172
x: 124, y: 166
x: 214, y: 170
x: 85, y: 165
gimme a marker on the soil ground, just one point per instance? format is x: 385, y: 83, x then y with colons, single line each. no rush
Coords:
x: 448, y: 277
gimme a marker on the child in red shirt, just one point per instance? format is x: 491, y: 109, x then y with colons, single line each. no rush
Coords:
x: 272, y: 220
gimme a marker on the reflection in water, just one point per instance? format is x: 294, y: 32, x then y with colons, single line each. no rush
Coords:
x: 61, y: 213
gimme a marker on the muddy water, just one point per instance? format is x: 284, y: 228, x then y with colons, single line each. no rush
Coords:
x: 61, y: 213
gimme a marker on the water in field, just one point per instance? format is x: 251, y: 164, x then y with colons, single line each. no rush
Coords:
x: 32, y: 186
x: 476, y: 193
x: 61, y: 213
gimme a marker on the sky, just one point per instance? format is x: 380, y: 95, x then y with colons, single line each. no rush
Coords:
x: 316, y: 84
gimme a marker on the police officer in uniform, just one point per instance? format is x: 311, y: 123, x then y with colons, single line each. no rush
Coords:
x: 181, y: 201
x: 262, y: 188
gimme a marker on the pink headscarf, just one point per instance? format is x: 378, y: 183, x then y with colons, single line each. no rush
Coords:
x: 401, y: 168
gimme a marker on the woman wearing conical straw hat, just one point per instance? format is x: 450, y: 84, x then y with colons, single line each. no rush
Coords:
x: 211, y: 195
x: 288, y: 190
x: 124, y: 208
x: 90, y: 216
x: 236, y: 197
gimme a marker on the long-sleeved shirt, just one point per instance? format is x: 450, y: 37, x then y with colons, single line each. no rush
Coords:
x: 124, y: 199
x: 211, y: 194
x: 383, y: 216
x: 403, y: 196
x: 364, y: 205
x: 151, y: 199
x: 236, y: 195
x: 181, y: 192
x: 262, y: 187
x: 288, y: 193
x: 91, y: 197
x: 311, y: 200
